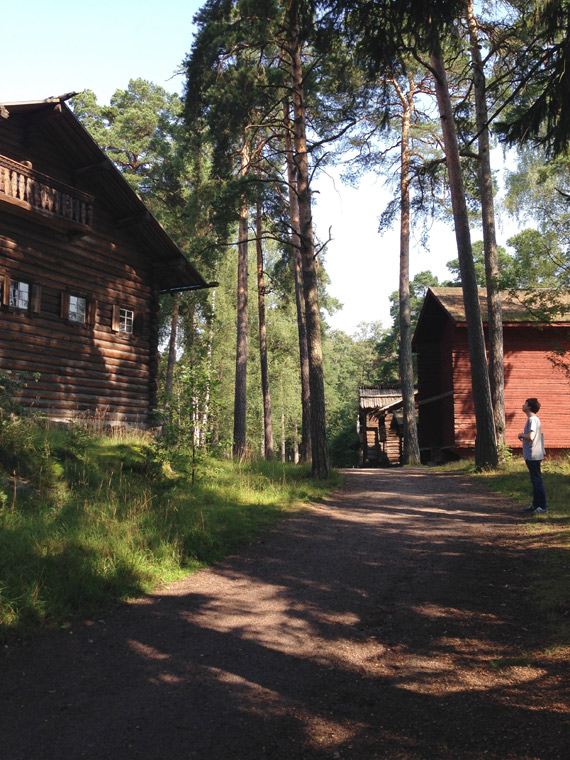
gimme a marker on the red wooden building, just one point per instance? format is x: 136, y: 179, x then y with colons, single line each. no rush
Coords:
x: 446, y: 415
x: 82, y: 264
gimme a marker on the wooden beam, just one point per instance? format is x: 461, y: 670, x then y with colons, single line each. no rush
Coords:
x: 435, y: 398
x: 132, y: 221
x: 98, y: 166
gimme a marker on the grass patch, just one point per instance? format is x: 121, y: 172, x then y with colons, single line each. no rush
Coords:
x: 87, y: 521
x: 502, y: 663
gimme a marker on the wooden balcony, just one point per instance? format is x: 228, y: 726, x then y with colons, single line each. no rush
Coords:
x: 52, y: 202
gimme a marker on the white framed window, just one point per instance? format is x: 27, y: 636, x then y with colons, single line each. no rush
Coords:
x: 77, y: 309
x: 19, y: 294
x: 126, y: 320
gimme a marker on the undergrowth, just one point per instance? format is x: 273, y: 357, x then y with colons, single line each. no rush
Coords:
x: 88, y: 520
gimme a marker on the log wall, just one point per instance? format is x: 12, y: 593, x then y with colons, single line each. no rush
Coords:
x: 381, y: 445
x: 84, y: 369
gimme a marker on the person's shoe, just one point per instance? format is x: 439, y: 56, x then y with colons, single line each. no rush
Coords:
x: 529, y: 509
x: 540, y: 511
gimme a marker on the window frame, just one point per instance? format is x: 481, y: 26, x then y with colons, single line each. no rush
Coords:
x: 118, y: 320
x: 90, y: 308
x: 34, y: 304
x: 80, y: 311
x: 20, y: 290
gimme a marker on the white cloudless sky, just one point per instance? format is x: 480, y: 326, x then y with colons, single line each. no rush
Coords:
x: 52, y: 48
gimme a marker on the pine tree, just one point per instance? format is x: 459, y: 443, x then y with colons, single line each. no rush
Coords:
x: 265, y: 45
x: 385, y: 31
x: 539, y: 102
x: 486, y: 453
x: 494, y: 310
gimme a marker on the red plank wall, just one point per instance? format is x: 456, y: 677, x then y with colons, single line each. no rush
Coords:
x: 529, y: 372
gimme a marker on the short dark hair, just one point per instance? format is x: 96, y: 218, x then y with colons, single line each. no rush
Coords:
x: 533, y: 404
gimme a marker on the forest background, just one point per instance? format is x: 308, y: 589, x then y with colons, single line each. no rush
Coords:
x: 142, y: 127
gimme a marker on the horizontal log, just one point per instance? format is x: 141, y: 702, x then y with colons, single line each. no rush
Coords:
x: 89, y: 400
x: 90, y: 342
x: 79, y: 273
x: 81, y: 374
x: 94, y: 416
x: 97, y: 421
x: 72, y: 366
x: 69, y: 354
x: 88, y: 385
x: 87, y: 359
x: 99, y: 247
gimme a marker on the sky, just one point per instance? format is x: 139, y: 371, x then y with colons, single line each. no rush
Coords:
x: 66, y: 46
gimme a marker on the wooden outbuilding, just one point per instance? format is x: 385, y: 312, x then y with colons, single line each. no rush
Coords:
x: 82, y: 264
x: 446, y: 414
x: 380, y: 426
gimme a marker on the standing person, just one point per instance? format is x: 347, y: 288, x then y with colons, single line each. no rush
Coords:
x: 533, y: 454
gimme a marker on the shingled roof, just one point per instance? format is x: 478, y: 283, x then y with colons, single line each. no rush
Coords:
x: 520, y: 306
x: 373, y: 397
x: 537, y: 306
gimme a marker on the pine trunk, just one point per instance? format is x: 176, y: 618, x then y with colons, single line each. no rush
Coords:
x: 171, y: 351
x: 495, y: 314
x: 240, y: 405
x: 206, y: 413
x: 411, y: 453
x: 267, y: 422
x: 296, y: 443
x: 319, y: 449
x: 305, y: 449
x: 283, y: 438
x: 486, y: 455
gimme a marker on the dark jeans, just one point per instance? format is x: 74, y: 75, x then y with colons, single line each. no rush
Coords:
x: 538, y: 492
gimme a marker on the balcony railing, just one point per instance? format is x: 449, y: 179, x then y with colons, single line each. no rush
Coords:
x: 53, y: 200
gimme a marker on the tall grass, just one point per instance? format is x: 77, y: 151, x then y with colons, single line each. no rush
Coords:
x: 88, y: 520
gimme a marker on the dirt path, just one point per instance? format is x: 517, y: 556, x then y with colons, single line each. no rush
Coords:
x: 363, y: 628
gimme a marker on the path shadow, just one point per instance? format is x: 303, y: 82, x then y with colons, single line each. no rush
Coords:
x: 372, y: 626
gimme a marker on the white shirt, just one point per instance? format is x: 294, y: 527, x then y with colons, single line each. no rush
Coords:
x: 533, y: 449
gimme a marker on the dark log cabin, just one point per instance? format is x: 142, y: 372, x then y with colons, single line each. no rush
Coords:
x: 82, y: 264
x: 380, y: 426
x: 446, y: 414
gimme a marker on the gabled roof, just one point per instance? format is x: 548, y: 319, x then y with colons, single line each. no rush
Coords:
x: 520, y: 307
x: 172, y: 269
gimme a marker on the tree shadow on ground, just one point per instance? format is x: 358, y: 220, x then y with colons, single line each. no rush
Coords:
x: 384, y: 624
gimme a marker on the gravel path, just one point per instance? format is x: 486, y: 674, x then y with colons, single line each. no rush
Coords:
x: 386, y: 623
